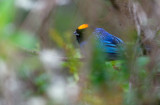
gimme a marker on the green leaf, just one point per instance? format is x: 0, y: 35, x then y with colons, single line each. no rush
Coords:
x: 25, y: 40
x: 6, y: 12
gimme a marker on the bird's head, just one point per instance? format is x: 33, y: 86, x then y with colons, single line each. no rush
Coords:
x: 80, y: 31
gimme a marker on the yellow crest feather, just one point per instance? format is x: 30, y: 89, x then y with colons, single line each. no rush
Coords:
x: 83, y: 26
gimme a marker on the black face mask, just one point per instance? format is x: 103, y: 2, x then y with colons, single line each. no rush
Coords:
x: 79, y: 35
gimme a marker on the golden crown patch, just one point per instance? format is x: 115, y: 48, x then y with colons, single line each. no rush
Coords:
x: 83, y: 26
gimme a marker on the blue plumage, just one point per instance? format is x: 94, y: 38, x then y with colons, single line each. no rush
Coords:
x: 109, y: 44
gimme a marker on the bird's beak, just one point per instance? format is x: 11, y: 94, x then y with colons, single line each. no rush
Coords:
x: 75, y: 33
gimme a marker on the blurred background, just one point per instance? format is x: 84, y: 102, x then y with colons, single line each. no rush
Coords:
x: 40, y: 59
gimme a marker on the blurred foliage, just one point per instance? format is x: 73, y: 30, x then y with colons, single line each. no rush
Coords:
x: 73, y: 63
x: 33, y: 73
x: 25, y: 40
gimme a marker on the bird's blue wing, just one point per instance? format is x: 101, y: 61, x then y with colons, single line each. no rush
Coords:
x: 107, y: 46
x: 108, y: 42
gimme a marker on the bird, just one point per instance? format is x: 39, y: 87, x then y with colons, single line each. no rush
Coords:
x: 109, y: 44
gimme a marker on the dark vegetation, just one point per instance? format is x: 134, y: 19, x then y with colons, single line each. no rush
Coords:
x: 41, y: 63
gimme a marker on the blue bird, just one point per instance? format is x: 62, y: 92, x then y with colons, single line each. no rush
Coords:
x: 108, y: 43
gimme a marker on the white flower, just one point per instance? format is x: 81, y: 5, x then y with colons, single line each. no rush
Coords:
x: 36, y: 101
x: 57, y: 91
x: 62, y: 2
x: 51, y: 59
x: 30, y: 4
x: 63, y: 92
x: 3, y: 69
